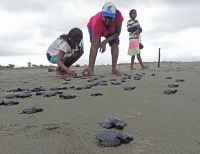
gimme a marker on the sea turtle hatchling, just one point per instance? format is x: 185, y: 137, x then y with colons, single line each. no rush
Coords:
x: 179, y: 80
x: 96, y: 94
x: 137, y: 77
x: 169, y: 91
x: 111, y: 122
x: 113, y: 138
x: 10, y: 96
x: 24, y: 94
x: 173, y: 85
x: 52, y: 93
x: 129, y: 88
x: 67, y: 96
x: 8, y: 102
x: 168, y: 77
x: 31, y: 110
x: 115, y: 83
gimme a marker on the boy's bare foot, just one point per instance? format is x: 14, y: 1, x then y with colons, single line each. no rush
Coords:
x: 144, y: 67
x: 116, y: 72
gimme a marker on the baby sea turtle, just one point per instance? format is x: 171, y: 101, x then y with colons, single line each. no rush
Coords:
x: 16, y: 90
x: 129, y: 88
x: 24, y: 94
x: 111, y: 122
x: 67, y: 96
x: 31, y: 110
x: 137, y: 77
x: 123, y: 80
x: 90, y: 80
x: 37, y: 89
x: 40, y: 93
x: 126, y: 77
x: 103, y: 84
x: 70, y: 86
x: 179, y: 80
x: 78, y: 87
x: 168, y: 77
x: 115, y: 83
x: 56, y: 88
x: 52, y: 93
x: 138, y: 74
x: 125, y: 74
x: 87, y: 86
x: 8, y: 102
x: 113, y: 80
x: 96, y: 94
x: 10, y: 96
x: 169, y: 91
x: 113, y: 138
x: 173, y: 85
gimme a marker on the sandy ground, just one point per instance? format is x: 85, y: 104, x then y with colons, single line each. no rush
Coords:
x: 160, y: 123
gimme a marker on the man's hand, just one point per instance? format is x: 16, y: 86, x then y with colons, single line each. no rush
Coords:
x: 102, y: 46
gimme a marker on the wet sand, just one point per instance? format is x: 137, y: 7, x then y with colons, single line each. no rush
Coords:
x: 160, y: 123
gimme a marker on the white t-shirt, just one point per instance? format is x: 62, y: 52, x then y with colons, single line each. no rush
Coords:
x: 61, y: 45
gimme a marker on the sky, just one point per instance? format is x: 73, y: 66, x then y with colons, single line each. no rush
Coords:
x: 28, y: 27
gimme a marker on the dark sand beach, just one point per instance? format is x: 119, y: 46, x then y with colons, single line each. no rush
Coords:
x: 160, y: 123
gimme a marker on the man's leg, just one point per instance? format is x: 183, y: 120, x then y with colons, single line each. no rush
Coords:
x: 115, y: 53
x: 114, y: 44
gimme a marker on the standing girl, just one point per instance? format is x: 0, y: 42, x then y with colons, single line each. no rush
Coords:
x: 135, y: 44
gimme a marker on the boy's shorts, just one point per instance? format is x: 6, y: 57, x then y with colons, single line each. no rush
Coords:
x: 52, y: 59
x: 115, y: 40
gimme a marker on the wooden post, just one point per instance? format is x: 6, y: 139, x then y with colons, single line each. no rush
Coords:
x: 159, y: 58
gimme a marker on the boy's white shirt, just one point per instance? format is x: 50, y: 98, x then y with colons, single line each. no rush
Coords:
x: 61, y: 45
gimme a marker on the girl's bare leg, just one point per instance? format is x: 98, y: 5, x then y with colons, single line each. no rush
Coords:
x: 141, y: 63
x: 132, y: 62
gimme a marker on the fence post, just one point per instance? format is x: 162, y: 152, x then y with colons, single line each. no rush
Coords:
x: 159, y: 58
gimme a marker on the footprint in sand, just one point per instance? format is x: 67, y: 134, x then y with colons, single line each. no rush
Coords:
x: 37, y: 132
x: 12, y: 129
x: 50, y: 126
x: 142, y: 145
x: 133, y: 114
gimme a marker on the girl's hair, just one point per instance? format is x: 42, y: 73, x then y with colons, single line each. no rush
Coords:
x: 73, y: 33
x: 131, y: 11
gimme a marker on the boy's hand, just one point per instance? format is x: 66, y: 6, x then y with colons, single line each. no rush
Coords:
x: 71, y: 72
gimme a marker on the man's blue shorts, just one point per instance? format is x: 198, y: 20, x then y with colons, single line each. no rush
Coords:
x: 115, y: 40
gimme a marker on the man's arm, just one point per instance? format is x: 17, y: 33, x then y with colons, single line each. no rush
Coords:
x: 110, y: 38
x: 93, y: 50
